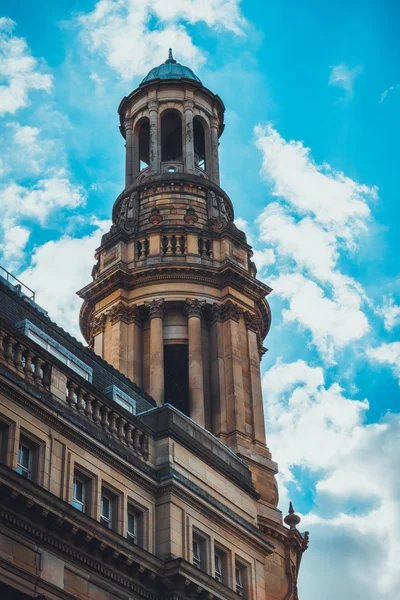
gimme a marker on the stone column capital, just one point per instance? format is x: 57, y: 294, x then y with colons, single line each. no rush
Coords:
x: 194, y: 308
x: 214, y: 123
x: 125, y: 313
x: 128, y: 124
x: 153, y: 105
x: 156, y: 308
x: 98, y: 324
x: 251, y: 321
x: 230, y: 310
x: 188, y: 104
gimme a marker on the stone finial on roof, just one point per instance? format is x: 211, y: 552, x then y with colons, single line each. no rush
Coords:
x: 291, y: 518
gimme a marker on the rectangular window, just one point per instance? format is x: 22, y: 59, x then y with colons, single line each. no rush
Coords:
x: 79, y: 494
x: 239, y: 581
x: 25, y: 460
x: 196, y: 554
x: 106, y: 511
x: 199, y: 551
x: 218, y: 567
x: 4, y: 433
x: 132, y: 533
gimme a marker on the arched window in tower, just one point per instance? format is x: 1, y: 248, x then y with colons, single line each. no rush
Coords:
x: 171, y: 137
x: 199, y: 141
x: 144, y: 143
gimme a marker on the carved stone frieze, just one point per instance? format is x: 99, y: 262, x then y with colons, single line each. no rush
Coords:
x: 156, y: 308
x: 194, y: 308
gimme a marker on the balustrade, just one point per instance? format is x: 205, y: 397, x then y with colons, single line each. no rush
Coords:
x: 107, y: 418
x: 205, y: 247
x: 173, y: 244
x: 31, y: 365
x: 24, y: 360
x: 142, y: 248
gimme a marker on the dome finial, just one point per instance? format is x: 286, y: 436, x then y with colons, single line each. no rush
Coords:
x: 170, y: 58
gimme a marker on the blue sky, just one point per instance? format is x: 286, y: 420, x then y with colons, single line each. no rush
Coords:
x: 309, y: 157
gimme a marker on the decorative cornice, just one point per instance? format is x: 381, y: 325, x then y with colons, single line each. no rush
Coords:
x: 194, y: 308
x: 156, y: 308
x: 228, y: 275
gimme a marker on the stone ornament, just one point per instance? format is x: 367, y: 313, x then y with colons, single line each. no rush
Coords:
x: 125, y: 313
x: 251, y: 321
x: 156, y: 308
x: 223, y: 312
x: 194, y: 308
x: 155, y: 217
x: 98, y: 324
x: 191, y: 216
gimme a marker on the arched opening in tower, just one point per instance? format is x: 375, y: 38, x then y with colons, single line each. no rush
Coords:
x: 199, y: 142
x: 176, y: 376
x: 144, y: 143
x: 171, y: 137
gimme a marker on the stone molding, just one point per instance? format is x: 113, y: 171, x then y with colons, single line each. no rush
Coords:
x: 156, y: 308
x: 194, y: 308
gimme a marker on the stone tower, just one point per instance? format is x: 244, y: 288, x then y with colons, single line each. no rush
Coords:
x: 175, y: 304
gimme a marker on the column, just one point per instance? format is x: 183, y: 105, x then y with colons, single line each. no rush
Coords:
x: 218, y: 393
x: 188, y: 151
x: 193, y: 310
x: 255, y: 379
x: 214, y: 171
x: 129, y: 158
x: 154, y: 146
x: 233, y: 368
x: 156, y: 315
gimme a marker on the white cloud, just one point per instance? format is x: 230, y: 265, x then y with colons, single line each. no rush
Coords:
x: 356, y: 517
x: 23, y: 152
x: 320, y: 215
x: 311, y: 246
x: 19, y: 69
x: 344, y: 77
x: 332, y: 323
x: 390, y: 313
x: 387, y: 354
x: 40, y: 200
x: 58, y: 270
x: 386, y: 92
x: 13, y: 245
x: 119, y: 31
x: 335, y: 201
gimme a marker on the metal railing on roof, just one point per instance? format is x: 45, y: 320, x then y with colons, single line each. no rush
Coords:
x: 17, y: 284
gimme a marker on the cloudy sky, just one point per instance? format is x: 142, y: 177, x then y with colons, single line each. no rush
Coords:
x: 310, y: 158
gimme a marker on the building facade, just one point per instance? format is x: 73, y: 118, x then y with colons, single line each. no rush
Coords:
x: 137, y: 467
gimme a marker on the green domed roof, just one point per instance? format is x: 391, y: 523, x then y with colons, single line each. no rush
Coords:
x: 171, y: 70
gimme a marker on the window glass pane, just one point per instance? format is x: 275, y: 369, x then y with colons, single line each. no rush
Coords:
x: 78, y: 490
x: 24, y: 456
x: 132, y: 524
x: 105, y: 507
